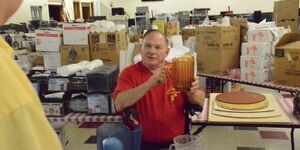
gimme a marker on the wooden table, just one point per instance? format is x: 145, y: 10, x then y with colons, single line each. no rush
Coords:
x: 285, y: 103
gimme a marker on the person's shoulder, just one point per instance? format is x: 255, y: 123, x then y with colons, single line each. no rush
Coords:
x: 133, y: 68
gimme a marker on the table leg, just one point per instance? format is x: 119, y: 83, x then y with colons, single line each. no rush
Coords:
x: 199, y: 129
x: 292, y: 139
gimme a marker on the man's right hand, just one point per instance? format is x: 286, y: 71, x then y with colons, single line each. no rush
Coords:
x: 159, y: 76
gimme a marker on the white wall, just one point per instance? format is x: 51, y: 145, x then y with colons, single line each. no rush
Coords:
x: 166, y: 6
x: 24, y: 14
x: 172, y: 6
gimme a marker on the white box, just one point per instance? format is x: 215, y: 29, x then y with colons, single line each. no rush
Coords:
x: 48, y: 40
x: 51, y: 60
x: 265, y: 35
x: 255, y: 75
x: 76, y: 33
x: 254, y: 62
x: 256, y: 49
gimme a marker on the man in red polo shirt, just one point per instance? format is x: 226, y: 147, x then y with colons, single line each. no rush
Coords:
x: 160, y: 108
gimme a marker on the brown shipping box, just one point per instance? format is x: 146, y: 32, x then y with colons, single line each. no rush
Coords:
x: 106, y: 46
x: 186, y: 33
x: 108, y: 57
x: 71, y: 54
x: 243, y: 24
x: 287, y: 60
x: 218, y: 49
x: 286, y: 14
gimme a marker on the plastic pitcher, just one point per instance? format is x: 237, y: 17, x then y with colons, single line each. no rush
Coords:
x: 186, y: 142
x: 181, y: 72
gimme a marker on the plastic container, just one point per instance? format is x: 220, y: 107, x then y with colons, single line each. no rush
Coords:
x: 186, y: 142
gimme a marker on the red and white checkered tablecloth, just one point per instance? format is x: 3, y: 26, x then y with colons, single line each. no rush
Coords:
x: 82, y: 117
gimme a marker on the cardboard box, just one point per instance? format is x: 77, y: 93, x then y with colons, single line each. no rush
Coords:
x: 265, y: 35
x: 186, y: 33
x: 255, y: 62
x: 51, y: 60
x: 108, y: 41
x: 255, y: 75
x: 285, y: 9
x: 106, y: 46
x: 173, y: 28
x: 74, y: 53
x: 161, y: 24
x: 293, y: 25
x: 108, y: 57
x: 287, y: 60
x: 54, y: 109
x: 286, y: 13
x: 256, y: 49
x: 100, y: 104
x: 48, y: 40
x: 243, y: 24
x: 218, y: 49
x: 76, y: 33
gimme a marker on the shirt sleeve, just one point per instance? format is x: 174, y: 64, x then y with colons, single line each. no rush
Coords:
x: 125, y: 82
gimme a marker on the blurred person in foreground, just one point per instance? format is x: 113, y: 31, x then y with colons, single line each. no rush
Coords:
x: 23, y: 125
x: 145, y: 86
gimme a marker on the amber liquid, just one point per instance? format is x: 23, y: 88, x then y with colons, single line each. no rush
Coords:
x: 183, y: 73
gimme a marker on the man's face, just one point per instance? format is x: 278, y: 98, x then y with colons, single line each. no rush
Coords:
x: 7, y: 9
x: 154, y: 50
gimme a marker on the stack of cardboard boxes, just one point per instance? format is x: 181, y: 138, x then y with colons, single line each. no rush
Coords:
x: 256, y: 60
x: 48, y: 42
x: 76, y: 45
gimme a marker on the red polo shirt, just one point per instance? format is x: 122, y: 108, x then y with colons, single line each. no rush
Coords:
x: 160, y: 111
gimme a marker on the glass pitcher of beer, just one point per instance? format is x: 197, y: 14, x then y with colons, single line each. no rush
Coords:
x: 181, y: 72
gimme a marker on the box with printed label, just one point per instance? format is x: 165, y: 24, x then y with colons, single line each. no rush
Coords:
x: 113, y: 41
x: 256, y: 49
x: 56, y: 84
x: 54, y: 109
x: 218, y: 49
x: 76, y: 33
x: 255, y: 62
x: 51, y: 60
x: 287, y: 60
x: 265, y: 35
x: 108, y: 57
x: 48, y: 40
x: 100, y: 104
x: 255, y: 75
x: 186, y: 33
x: 71, y: 54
